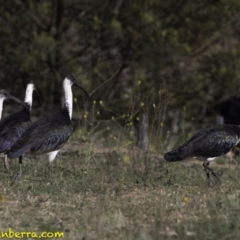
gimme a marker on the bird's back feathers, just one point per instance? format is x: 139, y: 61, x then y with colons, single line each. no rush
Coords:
x: 45, y: 135
x: 207, y: 143
x: 12, y: 127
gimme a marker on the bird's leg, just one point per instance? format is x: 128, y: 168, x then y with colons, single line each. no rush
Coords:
x: 51, y: 157
x: 49, y: 166
x: 216, y: 176
x: 19, y: 174
x: 208, y: 170
x: 6, y: 164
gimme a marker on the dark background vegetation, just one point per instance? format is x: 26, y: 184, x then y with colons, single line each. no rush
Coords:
x: 166, y: 59
x: 173, y: 59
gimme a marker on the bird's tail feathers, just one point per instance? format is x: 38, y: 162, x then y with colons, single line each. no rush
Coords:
x: 12, y: 153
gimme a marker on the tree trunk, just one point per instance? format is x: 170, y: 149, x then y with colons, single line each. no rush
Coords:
x: 141, y: 131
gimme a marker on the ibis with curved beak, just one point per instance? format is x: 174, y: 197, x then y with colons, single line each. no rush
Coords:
x: 48, y: 134
x: 207, y: 144
x: 13, y: 126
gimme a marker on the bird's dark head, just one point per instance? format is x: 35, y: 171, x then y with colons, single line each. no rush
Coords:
x: 70, y: 78
x: 4, y: 95
x: 72, y: 81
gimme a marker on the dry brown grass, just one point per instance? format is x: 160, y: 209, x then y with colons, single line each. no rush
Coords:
x: 95, y: 192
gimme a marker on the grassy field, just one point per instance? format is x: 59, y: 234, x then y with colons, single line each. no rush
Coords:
x: 98, y: 192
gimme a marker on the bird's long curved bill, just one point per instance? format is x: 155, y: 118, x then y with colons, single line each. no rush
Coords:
x: 18, y: 101
x: 37, y: 94
x: 76, y: 84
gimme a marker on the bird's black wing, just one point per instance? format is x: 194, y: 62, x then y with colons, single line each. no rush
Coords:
x: 10, y: 121
x: 53, y: 140
x: 12, y: 127
x: 214, y: 144
x: 209, y: 142
x: 8, y: 138
x: 43, y: 136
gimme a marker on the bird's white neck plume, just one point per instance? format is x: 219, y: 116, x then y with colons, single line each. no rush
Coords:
x: 28, y: 94
x: 1, y: 106
x: 68, y: 97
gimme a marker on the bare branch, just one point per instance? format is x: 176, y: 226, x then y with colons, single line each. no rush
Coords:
x: 109, y: 80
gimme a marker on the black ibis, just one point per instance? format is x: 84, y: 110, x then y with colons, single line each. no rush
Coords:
x: 48, y: 134
x: 13, y: 126
x: 207, y: 144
